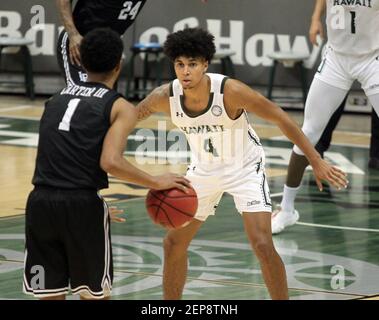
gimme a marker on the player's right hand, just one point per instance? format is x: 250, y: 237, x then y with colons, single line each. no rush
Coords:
x: 316, y: 29
x: 323, y: 171
x: 172, y: 180
x: 75, y: 41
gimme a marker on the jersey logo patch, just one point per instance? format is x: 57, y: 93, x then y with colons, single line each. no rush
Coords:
x: 253, y: 203
x: 216, y: 110
x: 83, y: 76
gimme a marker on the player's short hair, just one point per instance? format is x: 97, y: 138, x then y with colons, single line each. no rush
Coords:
x: 191, y: 43
x: 101, y: 50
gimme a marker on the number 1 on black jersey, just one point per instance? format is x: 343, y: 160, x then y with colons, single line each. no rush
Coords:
x: 64, y: 125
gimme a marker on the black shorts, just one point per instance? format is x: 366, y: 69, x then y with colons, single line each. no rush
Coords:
x: 73, y: 74
x: 68, y: 244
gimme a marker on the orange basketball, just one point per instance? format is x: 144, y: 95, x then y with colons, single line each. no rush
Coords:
x: 171, y: 208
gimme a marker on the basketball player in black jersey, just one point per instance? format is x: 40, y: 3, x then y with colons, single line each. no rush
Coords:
x: 118, y: 15
x: 82, y: 136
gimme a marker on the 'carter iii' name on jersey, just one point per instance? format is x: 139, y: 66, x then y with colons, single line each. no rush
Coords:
x: 83, y: 91
x: 203, y: 129
x: 363, y: 3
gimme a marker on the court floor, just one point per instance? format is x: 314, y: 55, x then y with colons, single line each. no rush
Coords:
x: 331, y: 253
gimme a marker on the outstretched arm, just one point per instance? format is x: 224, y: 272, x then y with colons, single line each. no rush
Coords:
x: 65, y: 12
x: 238, y: 95
x: 123, y: 121
x: 156, y: 101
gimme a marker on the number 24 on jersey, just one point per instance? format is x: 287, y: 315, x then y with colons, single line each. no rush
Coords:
x: 129, y: 12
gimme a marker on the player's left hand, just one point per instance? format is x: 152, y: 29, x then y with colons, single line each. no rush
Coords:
x: 114, y: 212
x: 324, y: 171
x: 316, y: 29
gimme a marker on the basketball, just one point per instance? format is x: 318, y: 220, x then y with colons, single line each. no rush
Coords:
x: 171, y: 208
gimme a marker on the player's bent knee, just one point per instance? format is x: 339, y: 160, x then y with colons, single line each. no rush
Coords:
x: 264, y: 249
x: 171, y: 244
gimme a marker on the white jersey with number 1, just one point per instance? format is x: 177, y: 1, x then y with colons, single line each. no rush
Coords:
x: 353, y: 26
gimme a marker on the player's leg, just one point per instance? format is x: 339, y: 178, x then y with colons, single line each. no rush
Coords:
x: 324, y: 143
x: 322, y: 101
x: 45, y: 266
x: 374, y: 142
x: 369, y: 79
x: 258, y: 229
x: 177, y: 241
x: 72, y: 73
x: 175, y: 246
x: 252, y: 199
x: 89, y: 250
x: 60, y: 297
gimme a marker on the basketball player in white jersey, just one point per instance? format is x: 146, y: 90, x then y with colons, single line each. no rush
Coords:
x: 352, y: 53
x: 227, y: 156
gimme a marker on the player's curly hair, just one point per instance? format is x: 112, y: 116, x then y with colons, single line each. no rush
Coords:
x: 101, y: 50
x: 191, y: 43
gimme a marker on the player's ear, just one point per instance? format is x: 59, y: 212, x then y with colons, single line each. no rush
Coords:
x: 206, y: 64
x: 118, y: 66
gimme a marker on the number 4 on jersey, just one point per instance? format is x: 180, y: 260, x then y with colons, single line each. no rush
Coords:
x: 208, y: 147
x: 129, y: 11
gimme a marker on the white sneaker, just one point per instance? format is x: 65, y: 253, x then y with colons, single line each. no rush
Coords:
x: 281, y: 219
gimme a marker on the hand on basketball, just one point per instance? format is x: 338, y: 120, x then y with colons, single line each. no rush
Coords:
x: 75, y: 41
x: 324, y: 171
x: 114, y: 212
x: 172, y: 180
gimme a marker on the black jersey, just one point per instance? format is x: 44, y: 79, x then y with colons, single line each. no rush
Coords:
x: 115, y: 14
x: 71, y: 134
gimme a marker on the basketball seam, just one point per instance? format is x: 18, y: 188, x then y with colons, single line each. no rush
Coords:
x: 180, y: 211
x: 168, y: 218
x: 159, y: 205
x: 156, y: 214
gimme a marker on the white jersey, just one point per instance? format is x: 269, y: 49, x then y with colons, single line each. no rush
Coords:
x: 215, y: 139
x: 353, y: 26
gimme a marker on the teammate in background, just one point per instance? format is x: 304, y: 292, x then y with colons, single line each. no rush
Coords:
x: 87, y: 15
x: 210, y: 109
x: 118, y: 15
x: 82, y: 136
x: 323, y: 144
x: 352, y: 53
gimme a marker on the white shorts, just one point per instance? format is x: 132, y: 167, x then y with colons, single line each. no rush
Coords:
x: 248, y: 186
x: 341, y: 70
